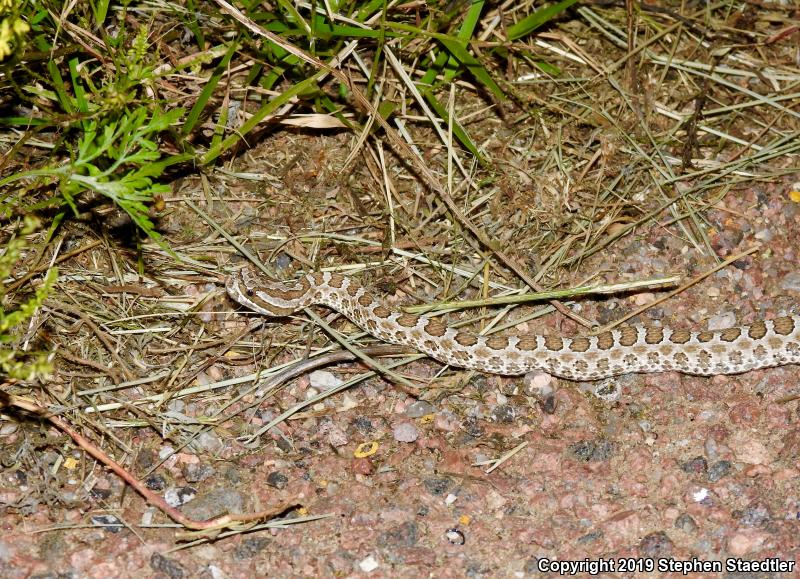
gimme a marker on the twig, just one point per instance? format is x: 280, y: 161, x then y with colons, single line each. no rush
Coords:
x: 211, y: 527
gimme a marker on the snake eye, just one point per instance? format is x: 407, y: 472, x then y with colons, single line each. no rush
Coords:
x: 250, y: 292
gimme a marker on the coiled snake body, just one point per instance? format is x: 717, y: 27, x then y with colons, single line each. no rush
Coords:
x: 620, y: 351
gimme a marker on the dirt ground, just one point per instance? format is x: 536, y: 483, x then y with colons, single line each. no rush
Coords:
x: 157, y: 366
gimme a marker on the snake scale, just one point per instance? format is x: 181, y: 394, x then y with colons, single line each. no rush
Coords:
x: 628, y: 349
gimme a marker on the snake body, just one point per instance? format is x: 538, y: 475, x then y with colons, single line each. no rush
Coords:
x: 628, y: 349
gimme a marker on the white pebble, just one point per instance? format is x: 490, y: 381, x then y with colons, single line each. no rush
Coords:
x: 324, y: 380
x: 368, y: 565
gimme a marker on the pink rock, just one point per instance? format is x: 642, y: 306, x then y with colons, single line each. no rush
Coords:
x: 748, y: 449
x: 623, y: 527
x: 756, y: 470
x: 746, y: 541
x: 186, y: 458
x: 744, y: 414
x: 445, y: 421
x: 405, y: 432
x: 362, y: 466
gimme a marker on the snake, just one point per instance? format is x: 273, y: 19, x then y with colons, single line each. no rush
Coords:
x: 627, y: 349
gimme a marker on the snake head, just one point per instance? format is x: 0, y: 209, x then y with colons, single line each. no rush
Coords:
x: 262, y: 295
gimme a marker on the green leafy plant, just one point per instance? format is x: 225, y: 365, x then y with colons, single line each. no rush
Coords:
x: 13, y: 362
x: 118, y: 159
x: 109, y: 144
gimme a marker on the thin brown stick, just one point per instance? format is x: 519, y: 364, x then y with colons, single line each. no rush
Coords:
x: 212, y: 526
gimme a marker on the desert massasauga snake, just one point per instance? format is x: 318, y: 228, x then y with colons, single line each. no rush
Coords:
x: 628, y: 349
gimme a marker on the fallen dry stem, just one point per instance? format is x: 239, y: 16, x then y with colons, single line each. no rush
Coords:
x: 211, y: 527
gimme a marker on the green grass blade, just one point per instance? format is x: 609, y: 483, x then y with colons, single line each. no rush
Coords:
x: 299, y: 88
x: 458, y: 49
x: 77, y: 86
x: 208, y: 89
x: 535, y: 20
x: 458, y: 130
x: 58, y: 85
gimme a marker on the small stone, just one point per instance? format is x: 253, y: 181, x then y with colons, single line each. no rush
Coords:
x: 791, y: 281
x: 109, y: 523
x: 145, y: 459
x: 719, y: 470
x: 283, y: 260
x: 363, y: 425
x: 656, y: 546
x: 419, y: 409
x: 166, y: 452
x: 697, y: 465
x: 539, y: 384
x: 207, y: 441
x: 178, y: 496
x: 277, y: 480
x: 754, y: 515
x: 472, y: 427
x: 748, y: 450
x: 216, y: 502
x: 746, y: 542
x: 590, y: 450
x: 155, y: 482
x: 348, y: 403
x: 722, y: 321
x: 8, y: 428
x: 368, y: 565
x: 685, y: 523
x: 701, y: 495
x: 404, y: 535
x: 250, y: 547
x: 504, y: 414
x: 445, y: 421
x: 608, y: 389
x: 102, y: 494
x: 362, y: 466
x: 764, y: 235
x: 168, y: 567
x: 713, y: 292
x: 437, y: 486
x: 195, y: 473
x: 337, y: 437
x: 405, y: 432
x: 324, y: 380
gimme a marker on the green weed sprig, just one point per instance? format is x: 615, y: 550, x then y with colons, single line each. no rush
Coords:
x: 118, y: 159
x: 13, y: 362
